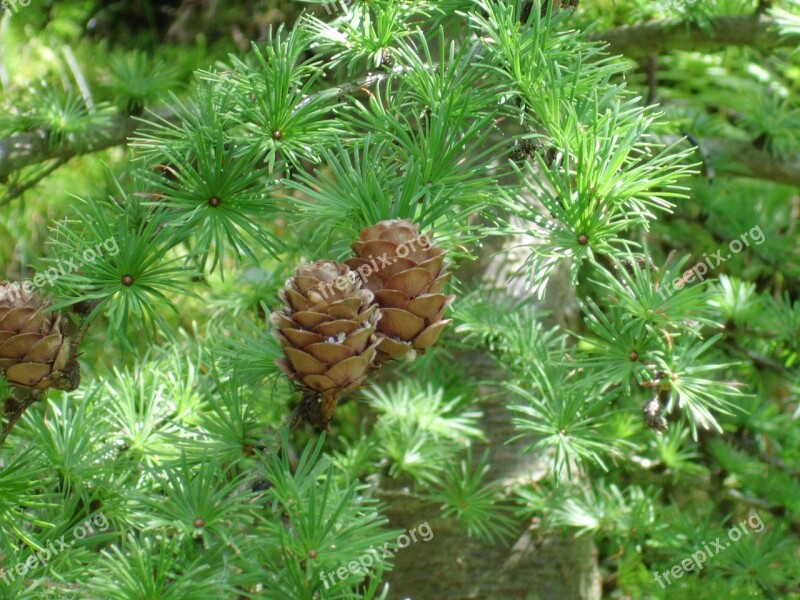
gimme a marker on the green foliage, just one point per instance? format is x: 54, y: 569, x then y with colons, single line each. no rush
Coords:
x: 516, y: 139
x: 139, y: 82
x: 214, y: 201
x: 67, y: 119
x: 130, y: 281
x: 466, y: 495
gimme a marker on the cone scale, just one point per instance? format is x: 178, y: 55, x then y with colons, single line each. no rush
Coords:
x: 34, y: 350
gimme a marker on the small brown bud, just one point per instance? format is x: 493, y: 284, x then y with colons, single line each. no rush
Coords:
x: 199, y: 523
x: 583, y: 239
x: 214, y: 202
x: 127, y: 281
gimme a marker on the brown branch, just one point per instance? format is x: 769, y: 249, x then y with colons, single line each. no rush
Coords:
x: 17, y: 190
x: 27, y: 149
x: 660, y: 37
x: 367, y: 82
x: 15, y: 405
x: 743, y: 159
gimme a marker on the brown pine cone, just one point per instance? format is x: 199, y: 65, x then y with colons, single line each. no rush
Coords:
x: 327, y: 330
x: 407, y: 273
x: 35, y: 352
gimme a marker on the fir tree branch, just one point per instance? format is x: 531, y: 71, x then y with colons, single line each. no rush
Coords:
x: 760, y: 361
x: 370, y: 80
x: 27, y: 149
x: 659, y: 37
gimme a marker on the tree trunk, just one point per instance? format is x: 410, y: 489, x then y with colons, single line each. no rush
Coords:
x: 454, y: 566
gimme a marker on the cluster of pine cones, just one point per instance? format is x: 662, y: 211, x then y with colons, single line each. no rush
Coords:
x: 341, y: 321
x: 35, y: 348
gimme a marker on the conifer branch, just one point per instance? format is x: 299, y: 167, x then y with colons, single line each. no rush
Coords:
x: 368, y: 81
x: 745, y: 160
x: 660, y: 37
x: 15, y: 405
x: 748, y: 161
x: 32, y: 148
x: 17, y: 190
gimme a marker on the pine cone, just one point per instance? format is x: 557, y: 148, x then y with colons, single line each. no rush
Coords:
x: 34, y: 350
x: 407, y: 273
x: 327, y: 332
